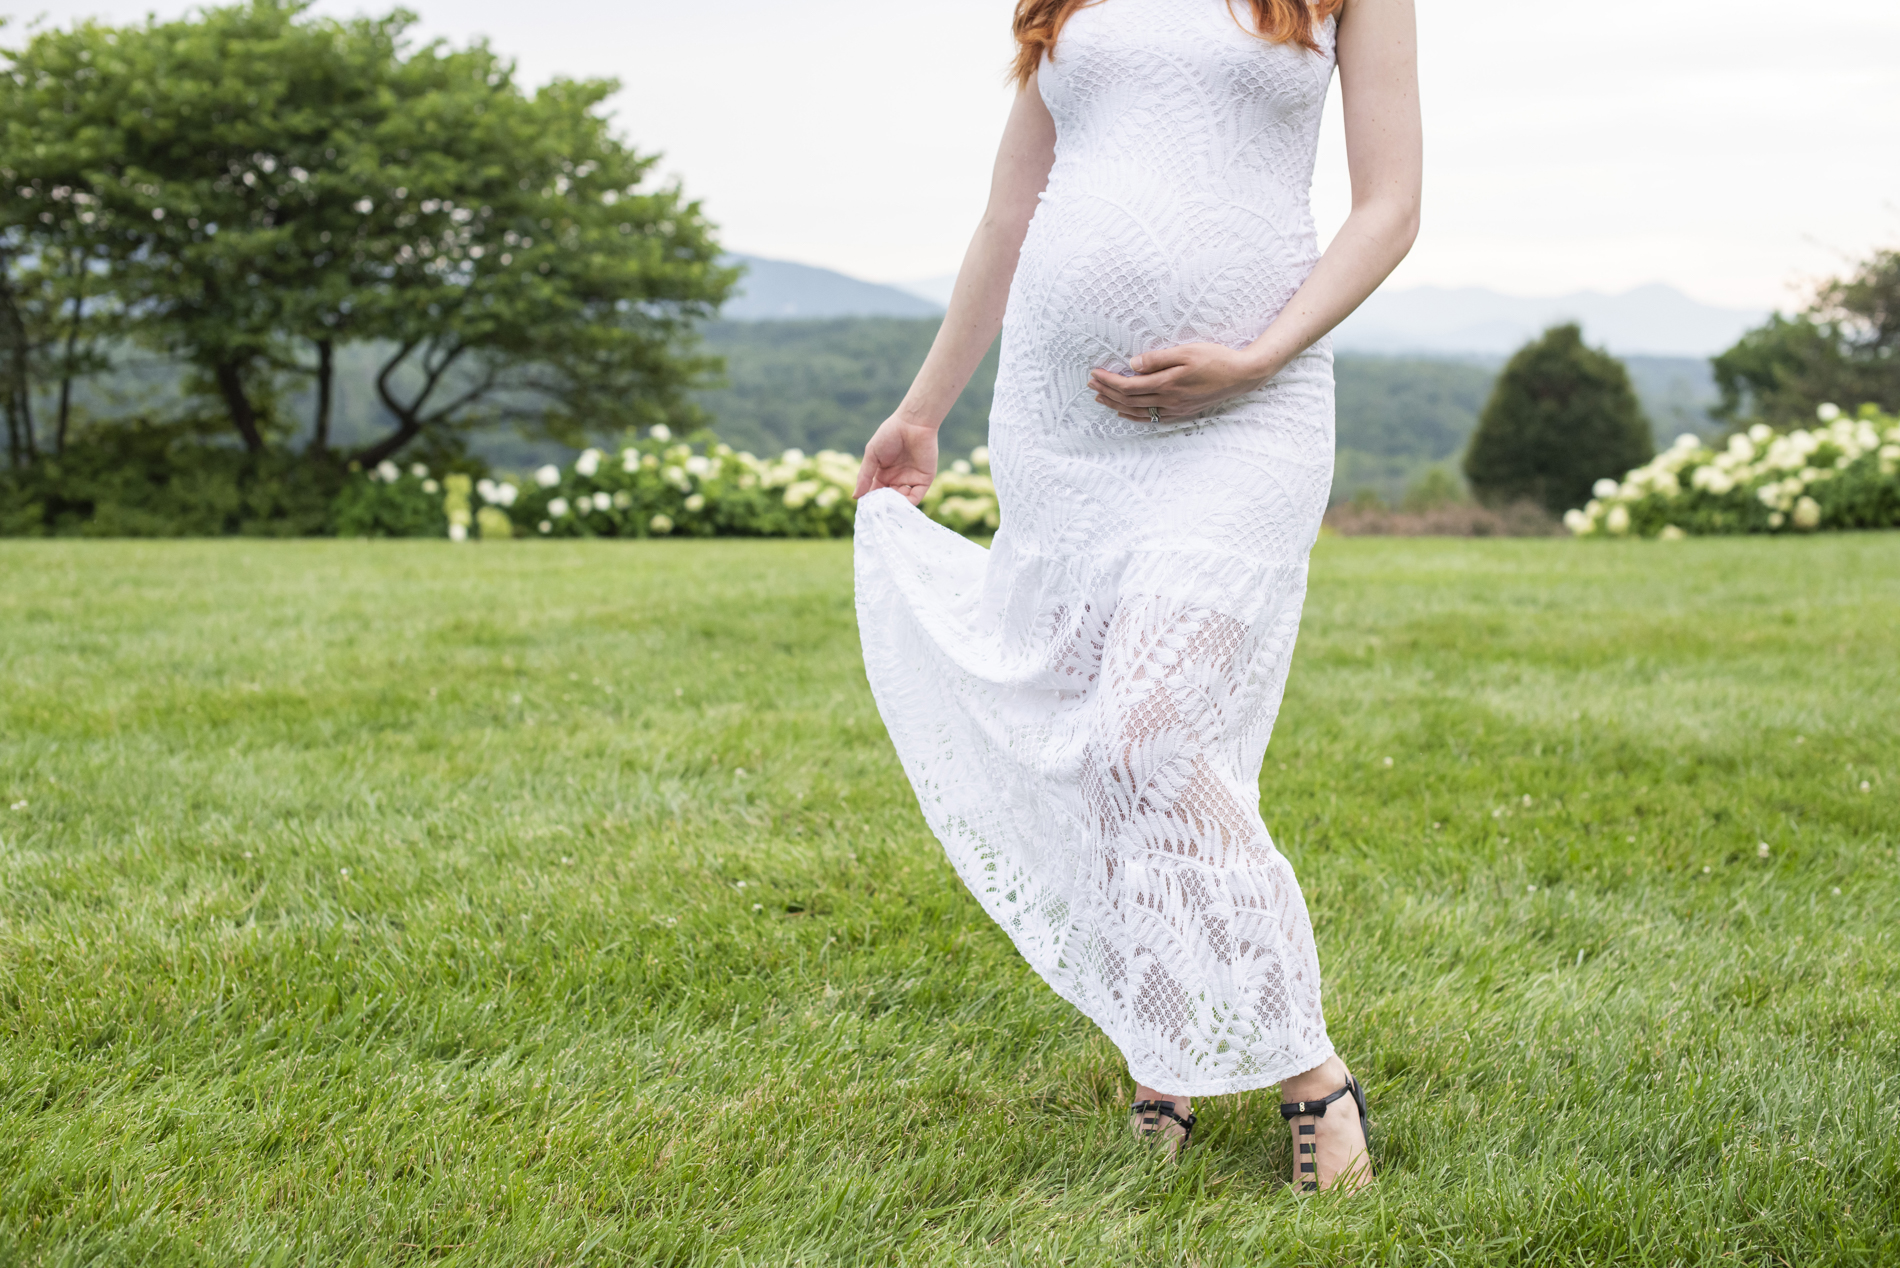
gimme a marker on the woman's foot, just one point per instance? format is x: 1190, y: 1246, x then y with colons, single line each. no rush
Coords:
x: 1163, y: 1119
x: 1335, y: 1141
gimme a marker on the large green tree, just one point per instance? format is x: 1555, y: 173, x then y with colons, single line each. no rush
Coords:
x: 253, y: 187
x: 1844, y: 348
x: 1561, y: 416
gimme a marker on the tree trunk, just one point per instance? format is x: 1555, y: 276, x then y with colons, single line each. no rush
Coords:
x: 66, y: 375
x: 230, y: 376
x: 15, y: 375
x: 326, y: 377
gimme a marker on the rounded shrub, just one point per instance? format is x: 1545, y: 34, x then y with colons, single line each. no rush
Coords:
x: 1561, y: 417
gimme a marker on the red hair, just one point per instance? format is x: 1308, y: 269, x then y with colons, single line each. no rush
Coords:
x: 1038, y: 22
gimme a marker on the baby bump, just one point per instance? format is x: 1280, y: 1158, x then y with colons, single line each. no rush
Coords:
x: 1100, y: 280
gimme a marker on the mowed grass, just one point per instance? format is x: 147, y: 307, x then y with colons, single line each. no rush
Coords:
x: 562, y: 903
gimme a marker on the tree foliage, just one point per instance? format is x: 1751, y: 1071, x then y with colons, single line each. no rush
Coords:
x: 1844, y: 349
x: 1561, y: 416
x: 252, y: 187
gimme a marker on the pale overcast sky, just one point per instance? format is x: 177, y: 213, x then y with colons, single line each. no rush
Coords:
x: 1732, y: 148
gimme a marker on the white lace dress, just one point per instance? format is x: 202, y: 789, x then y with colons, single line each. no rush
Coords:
x: 1083, y: 708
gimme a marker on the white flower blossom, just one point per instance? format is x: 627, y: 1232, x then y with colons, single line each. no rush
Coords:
x: 547, y: 477
x: 1605, y: 488
x: 1807, y: 513
x: 1828, y: 412
x: 507, y: 493
x: 388, y: 472
x: 588, y: 463
x: 430, y: 486
x: 458, y: 532
x: 558, y: 507
x: 660, y: 525
x: 696, y: 503
x: 603, y: 501
x: 1618, y: 520
x: 661, y: 432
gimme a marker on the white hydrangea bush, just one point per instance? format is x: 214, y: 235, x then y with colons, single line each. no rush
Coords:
x: 1843, y: 473
x: 659, y: 487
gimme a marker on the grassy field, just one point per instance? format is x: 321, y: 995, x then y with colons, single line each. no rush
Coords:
x: 561, y: 903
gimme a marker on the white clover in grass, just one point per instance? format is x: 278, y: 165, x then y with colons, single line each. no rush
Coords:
x: 661, y: 432
x: 660, y: 525
x: 1761, y: 850
x: 557, y: 507
x: 588, y: 464
x: 388, y: 472
x: 19, y: 805
x: 1866, y: 785
x: 548, y: 476
x: 696, y: 503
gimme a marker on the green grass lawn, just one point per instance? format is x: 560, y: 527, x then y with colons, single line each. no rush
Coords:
x: 560, y: 903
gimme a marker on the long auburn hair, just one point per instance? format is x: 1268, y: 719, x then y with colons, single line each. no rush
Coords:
x: 1039, y: 22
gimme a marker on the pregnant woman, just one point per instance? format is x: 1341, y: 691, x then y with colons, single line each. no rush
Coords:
x: 1083, y: 708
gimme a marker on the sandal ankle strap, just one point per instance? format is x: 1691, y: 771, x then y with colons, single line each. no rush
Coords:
x: 1166, y: 1110
x: 1291, y: 1110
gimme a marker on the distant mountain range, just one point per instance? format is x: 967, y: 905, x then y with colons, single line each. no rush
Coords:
x: 1655, y: 320
x: 777, y: 290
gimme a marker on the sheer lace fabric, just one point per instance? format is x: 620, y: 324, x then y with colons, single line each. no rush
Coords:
x: 1083, y: 708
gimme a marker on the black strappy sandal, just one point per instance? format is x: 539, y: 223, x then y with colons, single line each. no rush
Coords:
x: 1308, y: 1156
x: 1145, y: 1119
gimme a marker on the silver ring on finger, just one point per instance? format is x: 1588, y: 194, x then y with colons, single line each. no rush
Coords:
x: 1154, y: 413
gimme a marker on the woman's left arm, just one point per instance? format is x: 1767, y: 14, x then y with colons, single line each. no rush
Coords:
x: 1378, y: 80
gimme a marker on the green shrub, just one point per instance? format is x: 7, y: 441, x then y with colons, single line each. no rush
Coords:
x: 169, y: 480
x: 1561, y: 416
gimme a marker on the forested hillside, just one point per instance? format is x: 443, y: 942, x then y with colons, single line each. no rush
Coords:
x: 827, y: 384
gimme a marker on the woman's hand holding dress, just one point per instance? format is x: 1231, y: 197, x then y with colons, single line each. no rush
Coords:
x: 902, y: 456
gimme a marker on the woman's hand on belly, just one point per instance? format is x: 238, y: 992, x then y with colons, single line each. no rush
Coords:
x: 1179, y: 382
x: 903, y: 456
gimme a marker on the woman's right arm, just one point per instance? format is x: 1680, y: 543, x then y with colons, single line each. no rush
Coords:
x: 902, y: 454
